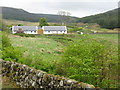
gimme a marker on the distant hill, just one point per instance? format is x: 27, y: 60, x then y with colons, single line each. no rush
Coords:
x: 22, y: 15
x: 106, y: 20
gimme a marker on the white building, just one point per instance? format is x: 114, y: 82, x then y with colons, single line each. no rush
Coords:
x: 39, y: 30
x: 54, y: 29
x: 25, y: 29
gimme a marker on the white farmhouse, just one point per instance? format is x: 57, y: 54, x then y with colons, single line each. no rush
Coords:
x: 25, y: 29
x: 39, y: 30
x: 54, y: 29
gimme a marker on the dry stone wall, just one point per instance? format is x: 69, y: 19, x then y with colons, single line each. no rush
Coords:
x: 27, y: 77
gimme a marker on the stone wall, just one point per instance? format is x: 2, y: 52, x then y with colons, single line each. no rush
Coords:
x: 27, y: 77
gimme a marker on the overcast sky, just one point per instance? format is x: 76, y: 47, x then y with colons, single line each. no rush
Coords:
x: 79, y: 8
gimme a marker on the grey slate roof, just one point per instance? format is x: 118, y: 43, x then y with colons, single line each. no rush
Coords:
x: 54, y: 28
x: 25, y: 28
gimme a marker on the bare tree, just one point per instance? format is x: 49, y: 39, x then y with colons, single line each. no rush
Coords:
x: 65, y: 16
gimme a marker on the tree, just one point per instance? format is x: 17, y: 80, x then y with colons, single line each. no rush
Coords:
x: 20, y: 25
x: 43, y: 22
x: 65, y: 16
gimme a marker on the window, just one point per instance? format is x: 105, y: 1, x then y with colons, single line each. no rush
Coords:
x: 35, y: 31
x: 60, y: 31
x: 48, y: 31
x: 31, y: 31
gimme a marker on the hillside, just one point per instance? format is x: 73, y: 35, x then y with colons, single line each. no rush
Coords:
x: 106, y: 20
x: 22, y: 15
x: 16, y: 22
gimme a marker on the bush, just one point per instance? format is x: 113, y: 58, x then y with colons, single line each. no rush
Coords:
x: 8, y: 51
x: 11, y: 54
x: 87, y: 60
x: 29, y: 35
x: 76, y: 29
x: 20, y: 34
x: 24, y: 35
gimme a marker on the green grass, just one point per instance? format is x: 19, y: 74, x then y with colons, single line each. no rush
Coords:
x: 95, y: 52
x: 50, y: 47
x: 15, y: 22
x: 38, y: 48
x: 109, y: 37
x: 38, y: 52
x: 43, y: 52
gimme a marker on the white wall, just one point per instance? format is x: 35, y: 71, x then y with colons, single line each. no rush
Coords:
x: 44, y: 32
x: 13, y: 30
x: 54, y: 32
x: 26, y: 32
x: 29, y: 32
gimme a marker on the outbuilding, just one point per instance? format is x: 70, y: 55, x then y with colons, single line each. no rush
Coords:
x: 54, y: 29
x: 39, y: 30
x: 25, y: 29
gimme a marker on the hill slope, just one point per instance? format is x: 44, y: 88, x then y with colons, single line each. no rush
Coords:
x: 106, y: 20
x: 22, y: 15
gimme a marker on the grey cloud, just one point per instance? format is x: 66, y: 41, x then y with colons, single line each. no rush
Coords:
x: 73, y: 7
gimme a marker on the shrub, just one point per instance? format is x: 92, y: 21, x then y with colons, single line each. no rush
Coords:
x: 87, y: 60
x: 12, y: 54
x: 30, y: 35
x: 8, y: 51
x: 76, y: 29
x: 24, y: 35
x: 20, y: 34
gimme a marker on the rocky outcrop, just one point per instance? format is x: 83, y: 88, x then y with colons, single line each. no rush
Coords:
x: 27, y: 77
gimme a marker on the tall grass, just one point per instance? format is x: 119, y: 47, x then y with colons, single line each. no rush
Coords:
x: 40, y: 53
x: 88, y: 58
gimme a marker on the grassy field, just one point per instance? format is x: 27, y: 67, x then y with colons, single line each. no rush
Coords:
x: 113, y: 38
x: 38, y: 51
x: 43, y: 51
x: 51, y: 47
x: 38, y: 47
x: 15, y: 22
